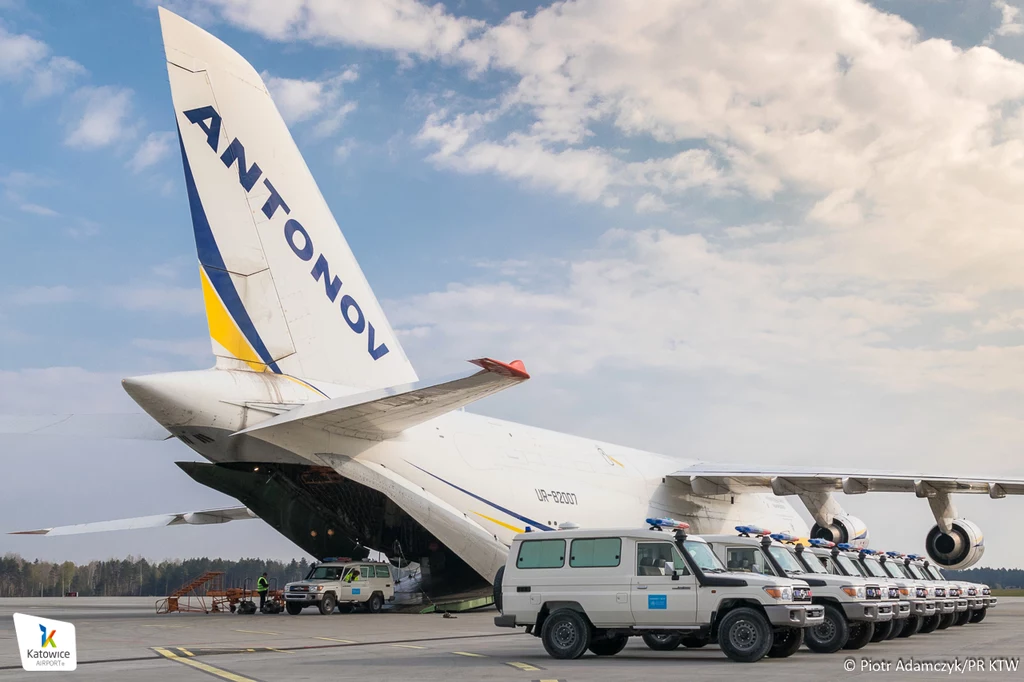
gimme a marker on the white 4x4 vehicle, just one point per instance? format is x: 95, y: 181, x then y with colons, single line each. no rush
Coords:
x: 342, y: 584
x: 593, y: 589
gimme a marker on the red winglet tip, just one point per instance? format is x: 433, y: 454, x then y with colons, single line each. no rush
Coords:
x: 515, y: 369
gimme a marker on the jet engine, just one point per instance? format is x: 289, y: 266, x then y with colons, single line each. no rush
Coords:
x: 844, y: 528
x: 960, y: 548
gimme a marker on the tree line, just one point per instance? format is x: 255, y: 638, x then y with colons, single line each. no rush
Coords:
x: 998, y: 578
x: 134, y: 577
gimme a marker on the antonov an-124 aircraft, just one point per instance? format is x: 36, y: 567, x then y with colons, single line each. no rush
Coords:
x: 314, y: 419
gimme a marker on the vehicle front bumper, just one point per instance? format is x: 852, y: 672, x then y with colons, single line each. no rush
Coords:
x: 992, y: 601
x: 961, y: 605
x: 903, y: 611
x: 944, y: 606
x: 923, y: 608
x: 872, y: 612
x: 303, y: 597
x: 795, y: 615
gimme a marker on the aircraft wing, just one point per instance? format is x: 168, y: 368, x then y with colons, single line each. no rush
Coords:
x: 132, y: 426
x: 196, y: 518
x: 384, y: 413
x: 715, y: 479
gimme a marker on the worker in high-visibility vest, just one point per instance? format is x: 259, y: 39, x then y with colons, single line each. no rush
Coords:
x: 262, y: 585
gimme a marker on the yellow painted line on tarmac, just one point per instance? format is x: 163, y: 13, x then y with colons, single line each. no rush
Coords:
x: 408, y: 646
x: 205, y: 667
x: 280, y: 651
x: 332, y: 639
x: 185, y: 651
x: 466, y: 653
x: 523, y: 666
x: 258, y: 632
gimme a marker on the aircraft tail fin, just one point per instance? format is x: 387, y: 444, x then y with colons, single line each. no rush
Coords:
x: 282, y: 289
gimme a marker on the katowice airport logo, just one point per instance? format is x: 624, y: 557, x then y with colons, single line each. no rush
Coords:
x: 45, y: 644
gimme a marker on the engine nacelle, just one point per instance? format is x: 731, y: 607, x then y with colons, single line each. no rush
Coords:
x: 848, y: 529
x: 961, y: 548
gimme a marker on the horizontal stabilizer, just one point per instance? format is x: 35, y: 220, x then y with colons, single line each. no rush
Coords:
x: 723, y: 479
x: 196, y: 518
x: 384, y: 413
x: 133, y: 426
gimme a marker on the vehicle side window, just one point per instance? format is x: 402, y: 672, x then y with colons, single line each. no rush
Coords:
x: 541, y: 554
x: 747, y: 560
x: 366, y: 572
x: 595, y: 552
x: 651, y: 558
x: 383, y: 572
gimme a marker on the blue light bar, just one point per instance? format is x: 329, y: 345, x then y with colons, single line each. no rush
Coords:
x: 752, y: 530
x: 666, y: 522
x: 819, y: 542
x: 782, y: 537
x: 894, y: 555
x: 845, y: 546
x: 913, y: 557
x: 870, y: 551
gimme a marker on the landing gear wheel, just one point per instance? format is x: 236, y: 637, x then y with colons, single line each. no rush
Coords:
x: 787, y: 641
x: 929, y: 624
x: 979, y: 615
x: 912, y: 626
x: 694, y: 642
x: 883, y: 630
x: 565, y: 634
x: 293, y: 608
x: 860, y: 635
x: 327, y: 604
x: 897, y: 628
x: 962, y: 618
x: 662, y: 642
x: 745, y: 635
x: 946, y: 620
x: 831, y: 635
x: 375, y: 604
x: 608, y: 645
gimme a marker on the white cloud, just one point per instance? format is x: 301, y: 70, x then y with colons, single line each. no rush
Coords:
x: 313, y: 100
x: 36, y: 209
x: 168, y: 299
x: 101, y: 117
x: 1010, y: 23
x: 28, y: 60
x: 153, y: 149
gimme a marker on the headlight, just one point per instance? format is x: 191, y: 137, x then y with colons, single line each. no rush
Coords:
x: 922, y: 592
x: 855, y: 592
x: 940, y: 591
x: 904, y: 591
x: 777, y: 592
x: 986, y: 591
x: 319, y: 588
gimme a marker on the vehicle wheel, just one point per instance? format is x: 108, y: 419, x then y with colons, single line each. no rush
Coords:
x: 666, y: 642
x: 327, y: 604
x: 566, y: 634
x: 608, y: 645
x: 946, y: 620
x: 831, y: 635
x: 897, y: 628
x: 962, y: 618
x: 375, y: 604
x: 860, y: 635
x: 912, y: 626
x: 497, y: 588
x: 786, y: 643
x: 979, y: 615
x: 883, y: 630
x: 744, y: 635
x: 929, y: 624
x: 693, y: 642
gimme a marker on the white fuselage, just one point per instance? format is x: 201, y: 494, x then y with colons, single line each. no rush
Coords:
x: 471, y: 481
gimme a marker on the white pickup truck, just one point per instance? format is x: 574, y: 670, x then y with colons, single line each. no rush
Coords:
x: 582, y: 590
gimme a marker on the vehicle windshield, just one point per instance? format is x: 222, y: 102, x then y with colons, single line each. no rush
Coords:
x: 848, y: 566
x: 935, y: 572
x: 874, y: 567
x: 786, y: 559
x: 704, y: 557
x: 813, y: 563
x: 324, y: 573
x: 891, y: 570
x: 916, y: 572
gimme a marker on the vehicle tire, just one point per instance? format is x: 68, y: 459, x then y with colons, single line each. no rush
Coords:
x: 693, y: 642
x: 946, y: 620
x: 929, y: 624
x: 659, y: 642
x: 883, y: 630
x: 911, y: 627
x: 608, y: 645
x: 979, y: 615
x: 786, y: 642
x: 860, y: 635
x: 745, y: 635
x: 327, y: 604
x: 831, y: 635
x: 566, y: 634
x: 962, y: 618
x: 376, y: 603
x: 897, y: 628
x: 497, y: 588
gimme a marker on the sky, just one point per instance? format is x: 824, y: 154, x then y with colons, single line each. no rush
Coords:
x: 771, y: 233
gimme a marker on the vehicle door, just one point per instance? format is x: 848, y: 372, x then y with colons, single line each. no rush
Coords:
x: 747, y: 559
x: 655, y: 598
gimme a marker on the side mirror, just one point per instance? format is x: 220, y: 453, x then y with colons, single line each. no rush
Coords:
x: 670, y: 569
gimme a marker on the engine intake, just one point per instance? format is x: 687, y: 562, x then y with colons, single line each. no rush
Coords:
x: 961, y: 548
x: 843, y: 529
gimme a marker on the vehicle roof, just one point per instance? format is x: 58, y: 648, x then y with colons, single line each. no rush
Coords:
x: 637, y: 533
x: 351, y: 562
x: 738, y: 539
